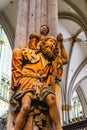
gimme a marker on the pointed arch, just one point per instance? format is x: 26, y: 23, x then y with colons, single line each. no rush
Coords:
x: 9, y: 30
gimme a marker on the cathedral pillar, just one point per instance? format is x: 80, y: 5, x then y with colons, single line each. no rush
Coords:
x: 37, y: 15
x: 21, y: 26
x: 31, y: 15
x: 53, y: 17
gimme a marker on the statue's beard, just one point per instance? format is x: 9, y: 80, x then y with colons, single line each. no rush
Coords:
x: 48, y: 53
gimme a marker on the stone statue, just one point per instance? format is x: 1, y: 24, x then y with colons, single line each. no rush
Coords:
x: 35, y: 71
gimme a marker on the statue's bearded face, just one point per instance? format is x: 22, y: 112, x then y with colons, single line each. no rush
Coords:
x: 48, y: 48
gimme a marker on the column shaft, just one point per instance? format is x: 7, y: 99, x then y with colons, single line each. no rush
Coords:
x: 21, y: 26
x: 53, y: 17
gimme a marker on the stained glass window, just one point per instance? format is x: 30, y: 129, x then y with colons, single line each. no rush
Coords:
x: 76, y: 106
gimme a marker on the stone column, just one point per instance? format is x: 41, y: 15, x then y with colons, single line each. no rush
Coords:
x: 37, y: 15
x: 22, y: 24
x: 31, y: 15
x: 53, y: 17
x: 43, y: 12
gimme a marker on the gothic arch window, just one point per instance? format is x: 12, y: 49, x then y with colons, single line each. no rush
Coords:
x: 5, y: 70
x: 76, y: 106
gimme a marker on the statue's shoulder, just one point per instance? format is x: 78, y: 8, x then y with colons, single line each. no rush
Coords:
x: 18, y: 51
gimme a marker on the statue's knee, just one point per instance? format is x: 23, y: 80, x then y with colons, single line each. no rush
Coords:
x: 25, y: 108
x: 51, y: 99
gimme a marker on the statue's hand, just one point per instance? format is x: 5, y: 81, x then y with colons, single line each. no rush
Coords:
x: 59, y: 37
